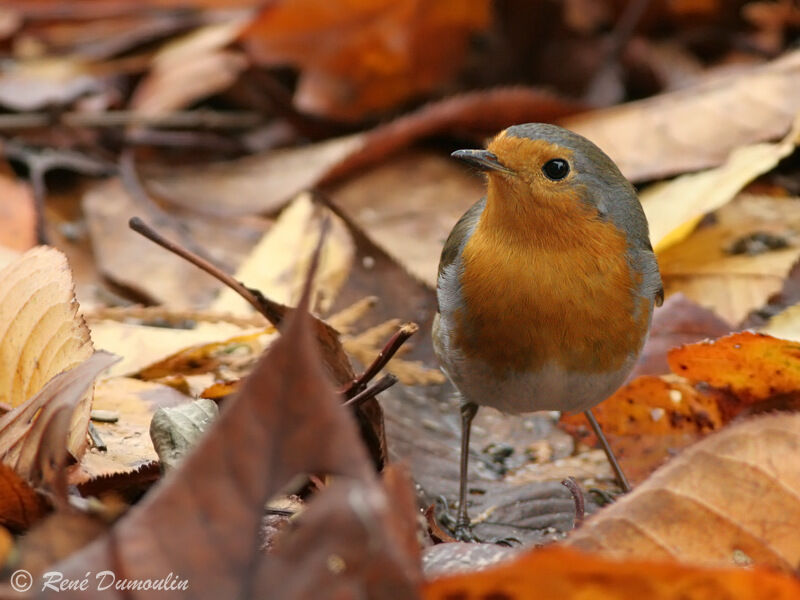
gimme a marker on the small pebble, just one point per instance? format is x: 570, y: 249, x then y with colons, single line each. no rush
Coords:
x: 105, y: 416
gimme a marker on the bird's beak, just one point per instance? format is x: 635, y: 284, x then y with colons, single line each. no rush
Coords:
x: 482, y: 159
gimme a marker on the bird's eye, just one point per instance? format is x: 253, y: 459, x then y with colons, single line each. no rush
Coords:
x: 556, y: 169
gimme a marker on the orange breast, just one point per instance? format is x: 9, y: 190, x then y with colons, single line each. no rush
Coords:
x: 560, y: 289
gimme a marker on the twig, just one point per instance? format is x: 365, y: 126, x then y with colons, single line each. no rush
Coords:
x: 384, y: 356
x: 577, y: 496
x: 188, y: 119
x: 273, y: 311
x: 40, y: 161
x: 97, y: 440
x: 160, y: 313
x: 384, y: 383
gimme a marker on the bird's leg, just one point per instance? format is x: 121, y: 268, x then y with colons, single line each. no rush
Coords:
x: 462, y: 532
x: 621, y: 479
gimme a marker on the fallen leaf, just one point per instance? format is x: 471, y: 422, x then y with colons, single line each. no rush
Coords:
x: 265, y: 182
x: 741, y: 484
x: 678, y: 321
x: 753, y: 366
x: 784, y: 325
x: 20, y: 505
x: 37, y: 83
x: 175, y: 431
x: 559, y: 573
x: 358, y: 57
x: 22, y: 429
x: 674, y: 208
x: 422, y: 195
x: 150, y: 272
x: 129, y: 450
x: 17, y: 213
x: 41, y: 333
x: 708, y: 268
x: 277, y: 263
x: 650, y: 419
x: 286, y: 420
x: 143, y: 346
x: 697, y: 127
x: 191, y: 68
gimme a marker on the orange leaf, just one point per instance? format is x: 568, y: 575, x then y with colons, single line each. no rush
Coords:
x: 648, y: 420
x: 753, y: 366
x: 557, y: 574
x: 20, y: 505
x: 361, y: 56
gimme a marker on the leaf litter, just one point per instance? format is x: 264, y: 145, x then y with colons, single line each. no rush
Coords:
x: 365, y: 127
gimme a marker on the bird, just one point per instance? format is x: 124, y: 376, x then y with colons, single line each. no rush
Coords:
x: 546, y: 286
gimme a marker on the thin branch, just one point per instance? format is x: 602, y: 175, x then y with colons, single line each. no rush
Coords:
x: 384, y: 356
x: 273, y: 311
x: 188, y: 119
x: 383, y: 384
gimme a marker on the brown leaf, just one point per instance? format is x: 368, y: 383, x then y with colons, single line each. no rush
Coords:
x: 129, y: 450
x: 697, y: 127
x: 23, y: 443
x: 422, y: 195
x: 742, y: 484
x: 707, y: 267
x: 17, y: 213
x: 190, y: 69
x: 559, y: 573
x: 678, y: 321
x: 265, y: 182
x: 286, y: 420
x: 357, y: 57
x: 20, y: 505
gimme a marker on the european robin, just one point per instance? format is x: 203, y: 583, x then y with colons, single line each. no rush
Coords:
x: 546, y: 286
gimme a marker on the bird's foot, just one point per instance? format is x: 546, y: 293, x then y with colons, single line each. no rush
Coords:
x: 604, y: 497
x: 461, y: 529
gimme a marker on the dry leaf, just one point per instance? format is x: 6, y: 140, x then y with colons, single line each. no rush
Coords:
x: 784, y: 325
x: 41, y: 333
x: 22, y: 430
x: 740, y: 484
x: 705, y: 268
x: 753, y: 366
x: 559, y: 573
x: 143, y: 346
x: 259, y: 183
x: 134, y: 262
x: 362, y: 56
x: 421, y: 195
x: 39, y: 83
x: 698, y: 127
x: 17, y: 213
x: 286, y: 420
x: 649, y: 420
x: 674, y: 208
x: 277, y: 264
x: 20, y: 505
x: 129, y: 448
x: 265, y: 182
x: 678, y: 321
x: 191, y: 68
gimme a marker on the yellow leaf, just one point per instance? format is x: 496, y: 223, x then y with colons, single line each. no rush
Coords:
x: 41, y: 333
x: 673, y: 208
